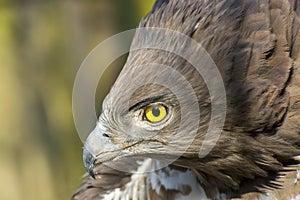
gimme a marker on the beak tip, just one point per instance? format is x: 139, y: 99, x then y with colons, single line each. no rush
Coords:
x: 89, y: 160
x: 91, y: 172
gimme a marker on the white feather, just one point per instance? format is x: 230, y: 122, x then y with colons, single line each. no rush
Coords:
x: 296, y: 197
x: 150, y: 175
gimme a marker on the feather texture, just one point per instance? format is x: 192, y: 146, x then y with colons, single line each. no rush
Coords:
x: 256, y: 47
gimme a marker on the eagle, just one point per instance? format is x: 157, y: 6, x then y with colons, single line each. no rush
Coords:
x: 153, y: 138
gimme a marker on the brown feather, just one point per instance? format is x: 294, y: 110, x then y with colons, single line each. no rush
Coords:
x: 256, y: 46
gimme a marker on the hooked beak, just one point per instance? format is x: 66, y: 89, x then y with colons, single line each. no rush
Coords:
x: 97, y: 143
x: 88, y: 160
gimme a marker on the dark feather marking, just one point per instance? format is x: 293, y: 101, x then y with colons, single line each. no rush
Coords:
x: 145, y: 102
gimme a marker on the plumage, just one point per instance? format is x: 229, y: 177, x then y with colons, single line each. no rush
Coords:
x: 256, y: 47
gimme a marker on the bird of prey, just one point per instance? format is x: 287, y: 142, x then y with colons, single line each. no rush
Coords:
x: 138, y: 149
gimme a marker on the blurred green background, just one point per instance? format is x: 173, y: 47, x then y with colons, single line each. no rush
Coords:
x: 42, y: 44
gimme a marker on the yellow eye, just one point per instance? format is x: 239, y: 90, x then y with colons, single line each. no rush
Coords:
x: 155, y: 113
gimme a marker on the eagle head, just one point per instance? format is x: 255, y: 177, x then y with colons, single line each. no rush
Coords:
x: 225, y: 112
x: 149, y: 112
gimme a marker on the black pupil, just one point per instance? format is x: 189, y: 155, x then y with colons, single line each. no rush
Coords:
x: 155, y: 111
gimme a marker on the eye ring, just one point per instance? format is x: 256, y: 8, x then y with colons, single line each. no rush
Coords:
x: 155, y: 113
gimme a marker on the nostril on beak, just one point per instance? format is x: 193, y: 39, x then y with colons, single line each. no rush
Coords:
x: 88, y: 160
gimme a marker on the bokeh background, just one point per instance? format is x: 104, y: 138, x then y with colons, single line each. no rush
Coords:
x: 42, y: 44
